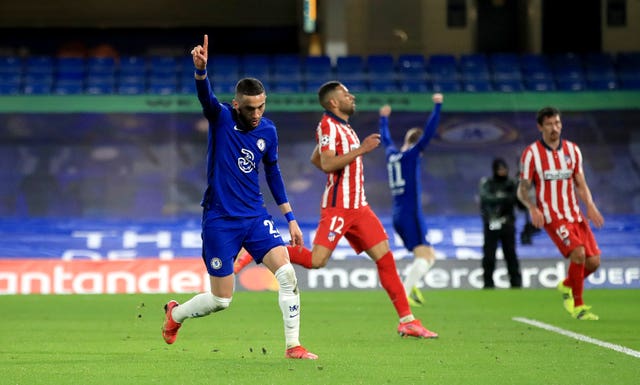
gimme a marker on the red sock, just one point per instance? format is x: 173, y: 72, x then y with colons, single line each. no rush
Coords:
x: 390, y: 281
x: 241, y: 262
x: 576, y: 277
x: 300, y: 256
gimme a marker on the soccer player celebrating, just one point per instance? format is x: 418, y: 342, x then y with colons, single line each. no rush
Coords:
x: 234, y: 215
x: 554, y: 166
x: 344, y: 208
x: 405, y: 170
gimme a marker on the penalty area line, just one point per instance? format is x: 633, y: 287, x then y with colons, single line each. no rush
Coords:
x: 579, y: 337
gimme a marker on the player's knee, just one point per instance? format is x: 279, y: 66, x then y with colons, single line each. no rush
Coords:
x: 286, y: 277
x: 593, y: 263
x: 578, y: 255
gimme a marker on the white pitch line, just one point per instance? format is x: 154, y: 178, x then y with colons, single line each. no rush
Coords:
x: 579, y: 337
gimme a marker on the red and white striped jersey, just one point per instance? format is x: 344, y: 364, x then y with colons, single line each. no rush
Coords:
x: 344, y: 188
x: 552, y: 172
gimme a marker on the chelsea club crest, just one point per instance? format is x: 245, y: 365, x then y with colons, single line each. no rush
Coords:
x: 216, y: 263
x: 261, y: 144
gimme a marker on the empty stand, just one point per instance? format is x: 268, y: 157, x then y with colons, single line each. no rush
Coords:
x: 351, y: 69
x: 628, y: 69
x: 11, y: 69
x: 474, y: 67
x: 257, y: 66
x: 569, y: 72
x: 292, y: 73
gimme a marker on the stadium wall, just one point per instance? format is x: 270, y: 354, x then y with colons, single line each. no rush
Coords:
x: 356, y: 26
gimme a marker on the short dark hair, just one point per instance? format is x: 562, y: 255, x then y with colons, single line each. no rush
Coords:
x: 249, y: 87
x: 325, y: 89
x: 546, y: 112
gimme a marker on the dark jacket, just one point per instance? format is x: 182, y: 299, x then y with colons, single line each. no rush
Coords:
x: 498, y: 200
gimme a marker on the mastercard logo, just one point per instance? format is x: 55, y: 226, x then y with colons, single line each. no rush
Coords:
x: 258, y: 278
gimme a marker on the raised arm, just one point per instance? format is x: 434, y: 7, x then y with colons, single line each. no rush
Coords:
x: 210, y: 105
x: 432, y: 122
x: 385, y: 135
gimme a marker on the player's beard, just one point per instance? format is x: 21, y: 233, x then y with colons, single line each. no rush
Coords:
x: 248, y: 123
x: 348, y: 109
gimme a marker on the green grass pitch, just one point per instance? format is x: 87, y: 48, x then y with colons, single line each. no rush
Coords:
x: 115, y: 339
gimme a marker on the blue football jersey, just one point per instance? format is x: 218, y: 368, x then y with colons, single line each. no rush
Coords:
x: 405, y: 169
x: 233, y: 157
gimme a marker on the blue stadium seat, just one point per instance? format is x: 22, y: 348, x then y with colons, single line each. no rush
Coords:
x: 539, y: 84
x: 443, y: 68
x: 286, y: 86
x: 11, y: 65
x: 10, y: 82
x: 383, y: 85
x: 162, y: 88
x: 39, y: 65
x: 508, y: 85
x: 101, y: 66
x: 381, y: 67
x: 566, y: 60
x: 131, y: 84
x: 163, y: 66
x: 350, y: 68
x: 414, y: 85
x: 412, y: 66
x: 40, y: 88
x: 132, y: 64
x: 536, y: 67
x: 187, y: 86
x: 224, y: 86
x: 446, y: 85
x: 186, y: 81
x: 602, y: 83
x: 628, y: 70
x: 316, y: 71
x: 629, y: 80
x: 477, y: 85
x: 286, y: 67
x: 257, y: 66
x: 9, y: 88
x: 599, y: 61
x: 70, y: 65
x: 568, y: 72
x: 570, y: 84
x: 356, y: 86
x: 222, y: 67
x: 68, y: 87
x: 312, y: 85
x: 506, y: 72
x: 99, y: 88
x: 38, y: 76
x: 474, y: 67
